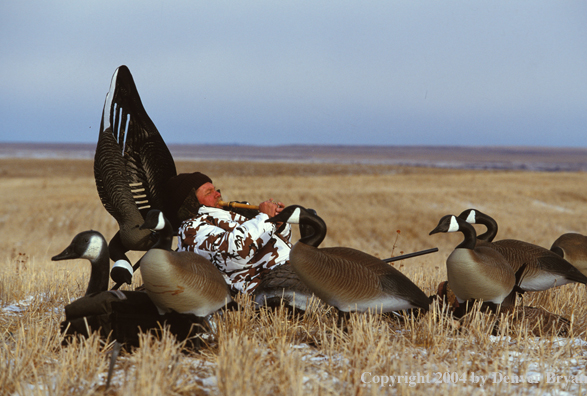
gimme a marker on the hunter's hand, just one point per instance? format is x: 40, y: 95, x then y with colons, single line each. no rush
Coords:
x: 271, y: 209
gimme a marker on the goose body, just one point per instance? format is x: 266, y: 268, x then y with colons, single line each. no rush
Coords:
x: 352, y: 280
x: 131, y: 165
x: 543, y: 268
x: 345, y: 278
x: 573, y: 248
x: 475, y: 272
x: 184, y: 282
x: 92, y: 246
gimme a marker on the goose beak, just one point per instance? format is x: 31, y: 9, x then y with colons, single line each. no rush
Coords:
x: 145, y: 226
x: 67, y: 254
x: 448, y: 223
x: 280, y: 218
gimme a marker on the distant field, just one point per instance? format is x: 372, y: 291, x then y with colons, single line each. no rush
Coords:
x: 509, y: 158
x: 383, y: 209
x: 363, y: 205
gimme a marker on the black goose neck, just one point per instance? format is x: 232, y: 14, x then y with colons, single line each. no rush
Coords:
x: 469, y: 234
x: 164, y: 237
x: 317, y: 230
x: 99, y: 276
x: 491, y: 225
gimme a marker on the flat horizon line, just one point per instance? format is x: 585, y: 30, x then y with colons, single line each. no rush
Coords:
x: 527, y: 158
x: 427, y: 146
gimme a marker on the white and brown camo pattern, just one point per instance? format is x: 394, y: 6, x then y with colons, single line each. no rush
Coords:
x: 244, y: 250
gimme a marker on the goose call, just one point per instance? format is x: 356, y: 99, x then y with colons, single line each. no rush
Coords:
x: 238, y: 205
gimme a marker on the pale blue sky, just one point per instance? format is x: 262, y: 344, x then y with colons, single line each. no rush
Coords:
x: 301, y: 72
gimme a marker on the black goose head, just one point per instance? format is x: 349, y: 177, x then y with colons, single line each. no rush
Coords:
x: 87, y: 244
x: 92, y: 246
x: 312, y: 226
x: 306, y: 230
x: 469, y: 215
x: 451, y: 223
x: 474, y: 216
x: 156, y: 221
x: 448, y: 223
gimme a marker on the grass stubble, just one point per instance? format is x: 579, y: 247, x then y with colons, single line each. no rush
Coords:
x: 383, y: 210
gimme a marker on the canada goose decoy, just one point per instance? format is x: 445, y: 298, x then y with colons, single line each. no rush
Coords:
x: 475, y: 272
x: 573, y: 248
x: 92, y: 246
x: 131, y: 166
x: 544, y: 269
x: 183, y: 282
x: 345, y: 278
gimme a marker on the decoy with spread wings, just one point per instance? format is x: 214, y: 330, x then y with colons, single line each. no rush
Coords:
x: 131, y: 166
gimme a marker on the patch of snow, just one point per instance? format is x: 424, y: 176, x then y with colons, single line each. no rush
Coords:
x: 210, y: 382
x: 18, y: 307
x: 550, y: 206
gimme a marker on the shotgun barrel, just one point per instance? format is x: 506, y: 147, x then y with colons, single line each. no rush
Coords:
x: 409, y: 255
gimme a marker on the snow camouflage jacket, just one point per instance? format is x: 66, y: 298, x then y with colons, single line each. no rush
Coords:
x: 244, y: 250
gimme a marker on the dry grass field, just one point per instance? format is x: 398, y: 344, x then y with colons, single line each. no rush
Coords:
x: 380, y: 209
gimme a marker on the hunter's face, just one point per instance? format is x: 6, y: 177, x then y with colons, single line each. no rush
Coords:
x: 208, y: 196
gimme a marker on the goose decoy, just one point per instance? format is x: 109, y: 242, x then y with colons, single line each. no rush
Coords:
x: 92, y: 246
x: 345, y: 278
x: 475, y: 272
x: 131, y: 166
x: 183, y: 282
x: 573, y: 248
x: 543, y: 268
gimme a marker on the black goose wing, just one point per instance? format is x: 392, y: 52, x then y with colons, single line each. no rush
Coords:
x: 552, y: 262
x: 132, y: 162
x: 546, y: 260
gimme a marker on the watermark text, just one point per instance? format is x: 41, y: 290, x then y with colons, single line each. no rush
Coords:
x: 413, y: 379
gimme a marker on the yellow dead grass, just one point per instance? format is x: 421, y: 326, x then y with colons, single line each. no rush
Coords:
x: 383, y: 210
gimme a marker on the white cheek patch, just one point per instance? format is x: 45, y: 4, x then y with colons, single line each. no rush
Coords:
x: 94, y: 247
x: 123, y: 264
x: 471, y: 218
x: 160, y: 222
x: 454, y: 225
x: 295, y: 217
